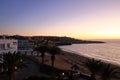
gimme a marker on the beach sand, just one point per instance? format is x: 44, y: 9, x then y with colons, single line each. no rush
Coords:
x: 66, y: 60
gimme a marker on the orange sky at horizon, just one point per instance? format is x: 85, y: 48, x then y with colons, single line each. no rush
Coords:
x: 82, y: 19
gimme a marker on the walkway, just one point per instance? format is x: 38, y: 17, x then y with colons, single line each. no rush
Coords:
x: 32, y: 69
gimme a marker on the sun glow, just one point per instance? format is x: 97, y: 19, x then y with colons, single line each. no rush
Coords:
x: 96, y: 19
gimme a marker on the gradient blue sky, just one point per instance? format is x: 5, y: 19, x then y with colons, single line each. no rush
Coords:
x: 84, y: 19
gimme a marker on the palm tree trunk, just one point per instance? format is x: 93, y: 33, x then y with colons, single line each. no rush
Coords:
x: 93, y: 76
x: 52, y: 63
x: 37, y: 53
x: 53, y: 60
x: 42, y: 55
x: 25, y: 53
x: 32, y: 53
x: 11, y: 75
x: 42, y: 60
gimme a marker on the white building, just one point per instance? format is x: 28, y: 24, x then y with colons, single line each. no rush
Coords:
x: 25, y: 46
x: 12, y: 45
x: 8, y: 45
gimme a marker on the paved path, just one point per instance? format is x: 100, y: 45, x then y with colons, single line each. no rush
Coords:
x: 32, y: 69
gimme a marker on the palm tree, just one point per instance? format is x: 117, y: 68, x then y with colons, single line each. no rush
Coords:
x: 42, y: 49
x: 34, y: 77
x: 53, y: 50
x: 108, y: 72
x: 12, y: 62
x: 94, y: 66
x: 75, y: 67
x: 1, y: 63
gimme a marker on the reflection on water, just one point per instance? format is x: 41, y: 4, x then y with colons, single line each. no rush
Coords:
x: 109, y: 51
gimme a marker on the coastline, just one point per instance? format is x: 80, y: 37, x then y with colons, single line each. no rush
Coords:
x: 88, y: 57
x: 84, y: 58
x: 66, y: 60
x: 108, y: 52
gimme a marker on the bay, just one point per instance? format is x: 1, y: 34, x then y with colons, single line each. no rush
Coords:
x: 109, y: 51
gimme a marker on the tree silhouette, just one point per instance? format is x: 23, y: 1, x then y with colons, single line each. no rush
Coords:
x: 108, y: 72
x: 75, y: 67
x: 12, y: 62
x: 42, y: 49
x: 53, y: 50
x: 1, y: 63
x: 94, y: 66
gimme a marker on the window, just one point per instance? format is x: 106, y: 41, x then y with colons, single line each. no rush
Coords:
x: 8, y: 45
x: 14, y: 43
x: 2, y: 46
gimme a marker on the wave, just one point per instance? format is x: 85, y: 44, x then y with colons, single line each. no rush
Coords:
x: 107, y: 52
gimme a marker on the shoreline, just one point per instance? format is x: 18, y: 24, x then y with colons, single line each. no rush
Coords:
x: 66, y: 60
x: 87, y: 57
x: 103, y: 59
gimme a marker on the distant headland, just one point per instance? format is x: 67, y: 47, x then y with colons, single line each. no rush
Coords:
x: 52, y: 39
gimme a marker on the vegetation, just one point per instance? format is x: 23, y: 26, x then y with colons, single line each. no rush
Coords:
x: 54, y: 39
x: 106, y: 71
x: 75, y: 67
x: 53, y: 50
x: 11, y: 63
x: 42, y: 49
x: 94, y: 66
x: 36, y: 78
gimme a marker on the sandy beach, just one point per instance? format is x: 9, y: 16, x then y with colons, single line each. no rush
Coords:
x: 66, y: 60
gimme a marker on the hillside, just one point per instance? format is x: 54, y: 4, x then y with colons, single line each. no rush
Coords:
x: 52, y: 39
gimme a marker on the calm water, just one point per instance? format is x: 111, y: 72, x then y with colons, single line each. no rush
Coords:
x: 109, y: 51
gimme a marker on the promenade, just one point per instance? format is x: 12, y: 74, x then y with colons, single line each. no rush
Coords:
x: 31, y: 69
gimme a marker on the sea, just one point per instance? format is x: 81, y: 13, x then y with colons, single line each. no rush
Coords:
x: 109, y: 51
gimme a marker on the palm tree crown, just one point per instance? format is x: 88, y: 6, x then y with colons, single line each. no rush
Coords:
x: 94, y: 66
x: 42, y: 49
x: 53, y: 50
x: 108, y: 71
x: 12, y: 62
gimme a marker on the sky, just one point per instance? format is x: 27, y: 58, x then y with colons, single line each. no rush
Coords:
x: 82, y: 19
